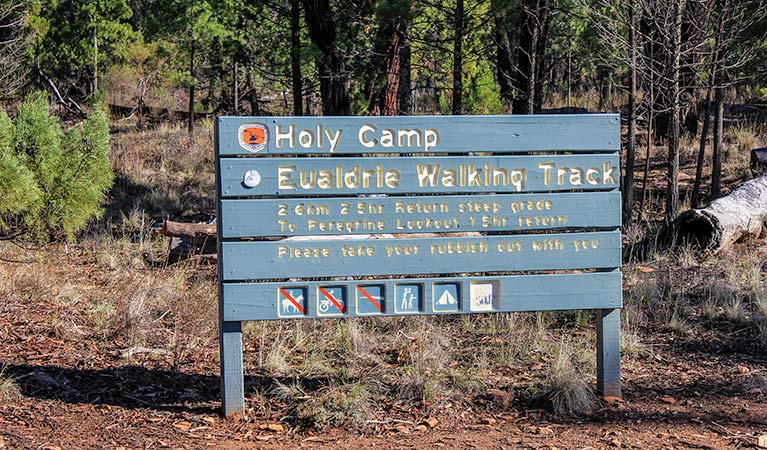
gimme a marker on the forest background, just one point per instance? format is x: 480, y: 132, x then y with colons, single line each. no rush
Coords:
x: 670, y: 66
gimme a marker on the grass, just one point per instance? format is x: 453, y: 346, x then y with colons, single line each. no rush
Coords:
x: 9, y: 390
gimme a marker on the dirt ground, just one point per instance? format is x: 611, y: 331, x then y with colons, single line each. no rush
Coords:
x: 705, y: 390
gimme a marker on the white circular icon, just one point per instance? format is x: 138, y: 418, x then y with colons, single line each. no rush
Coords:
x: 251, y: 179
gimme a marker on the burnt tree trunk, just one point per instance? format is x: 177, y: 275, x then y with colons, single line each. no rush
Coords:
x: 334, y: 87
x: 672, y: 193
x: 701, y: 153
x: 457, y: 107
x: 628, y: 179
x: 295, y: 57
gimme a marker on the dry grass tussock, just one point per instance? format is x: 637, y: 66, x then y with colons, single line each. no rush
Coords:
x: 9, y: 390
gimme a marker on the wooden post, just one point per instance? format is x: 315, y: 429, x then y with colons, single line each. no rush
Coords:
x: 232, y: 383
x: 609, y: 352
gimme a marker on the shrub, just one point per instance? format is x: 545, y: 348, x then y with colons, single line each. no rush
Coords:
x: 18, y: 190
x: 53, y: 182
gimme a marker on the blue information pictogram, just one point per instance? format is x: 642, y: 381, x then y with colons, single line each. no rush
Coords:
x: 371, y: 299
x: 446, y: 297
x: 408, y: 298
x: 331, y: 300
x: 291, y: 301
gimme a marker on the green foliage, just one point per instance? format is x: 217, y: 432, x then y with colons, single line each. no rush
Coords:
x: 77, y: 38
x: 18, y: 190
x: 55, y: 181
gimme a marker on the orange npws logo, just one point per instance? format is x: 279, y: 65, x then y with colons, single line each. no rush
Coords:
x: 253, y: 137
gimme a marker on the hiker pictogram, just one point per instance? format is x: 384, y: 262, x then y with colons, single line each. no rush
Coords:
x: 408, y: 298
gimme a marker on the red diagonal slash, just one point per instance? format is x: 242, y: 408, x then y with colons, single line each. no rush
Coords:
x: 370, y: 297
x: 292, y: 300
x: 332, y: 299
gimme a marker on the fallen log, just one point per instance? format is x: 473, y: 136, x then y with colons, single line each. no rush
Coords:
x: 190, y: 240
x: 189, y: 230
x: 712, y: 230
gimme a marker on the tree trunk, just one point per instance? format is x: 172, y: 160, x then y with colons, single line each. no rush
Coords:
x: 702, y: 152
x: 295, y: 57
x: 716, y: 169
x: 504, y: 57
x: 628, y: 178
x: 334, y: 87
x: 255, y: 110
x: 457, y: 108
x: 542, y: 23
x: 390, y: 92
x: 235, y: 90
x: 404, y: 91
x: 672, y: 194
x: 192, y: 83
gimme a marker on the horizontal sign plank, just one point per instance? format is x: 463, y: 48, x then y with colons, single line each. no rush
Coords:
x: 416, y: 134
x: 346, y: 256
x: 422, y: 214
x: 242, y: 177
x: 419, y: 296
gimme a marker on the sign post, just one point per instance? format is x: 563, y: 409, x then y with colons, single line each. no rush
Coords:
x: 310, y: 208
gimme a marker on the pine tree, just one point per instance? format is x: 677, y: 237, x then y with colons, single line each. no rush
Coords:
x: 55, y: 181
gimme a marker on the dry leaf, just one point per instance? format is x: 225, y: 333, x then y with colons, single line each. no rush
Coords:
x: 668, y: 399
x: 209, y: 420
x: 401, y: 429
x: 488, y: 421
x: 421, y: 427
x: 544, y: 430
x: 611, y: 400
x: 645, y: 269
x: 432, y: 422
x: 275, y: 427
x: 761, y: 441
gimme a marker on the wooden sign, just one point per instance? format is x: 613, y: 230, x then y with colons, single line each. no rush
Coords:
x: 341, y: 217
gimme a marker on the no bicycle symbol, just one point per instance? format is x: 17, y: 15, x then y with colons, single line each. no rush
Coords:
x: 331, y: 300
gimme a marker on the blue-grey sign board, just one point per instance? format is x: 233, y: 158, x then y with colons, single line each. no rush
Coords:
x: 417, y: 134
x: 242, y: 177
x: 362, y: 257
x: 422, y: 296
x: 422, y: 214
x: 342, y: 217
